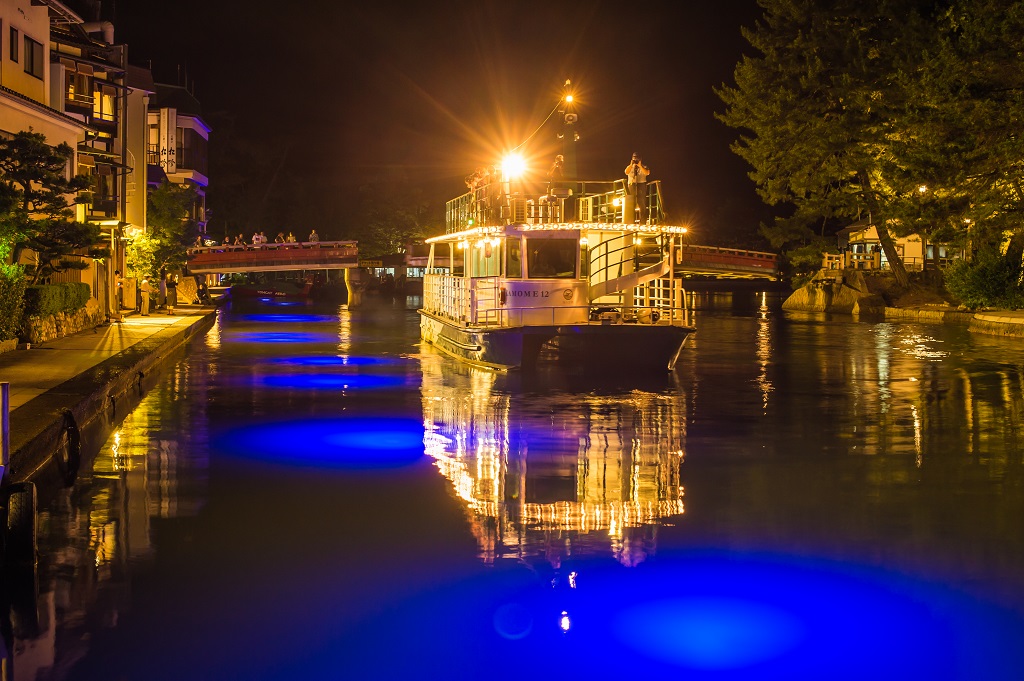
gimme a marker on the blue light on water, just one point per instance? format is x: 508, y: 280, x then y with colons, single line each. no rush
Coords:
x: 283, y: 337
x: 331, y: 381
x: 709, y: 633
x: 358, y: 443
x: 698, y: 616
x: 277, y: 302
x: 338, y: 361
x: 289, y: 318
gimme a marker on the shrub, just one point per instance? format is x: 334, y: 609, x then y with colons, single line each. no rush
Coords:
x: 988, y: 281
x: 51, y: 299
x: 12, y: 300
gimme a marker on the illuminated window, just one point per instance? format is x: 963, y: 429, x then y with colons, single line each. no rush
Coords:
x: 513, y: 258
x: 78, y: 87
x: 486, y: 258
x: 104, y: 107
x: 33, y: 58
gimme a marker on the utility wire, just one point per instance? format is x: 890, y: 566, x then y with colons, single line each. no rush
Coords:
x: 532, y: 134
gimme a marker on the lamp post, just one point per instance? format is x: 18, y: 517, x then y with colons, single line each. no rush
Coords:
x: 567, y: 132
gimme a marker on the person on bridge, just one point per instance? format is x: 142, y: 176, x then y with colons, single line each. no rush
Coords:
x: 279, y: 239
x: 636, y: 184
x: 290, y: 238
x: 314, y: 237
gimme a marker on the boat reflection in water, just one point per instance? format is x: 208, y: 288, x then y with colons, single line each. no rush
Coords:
x: 554, y: 475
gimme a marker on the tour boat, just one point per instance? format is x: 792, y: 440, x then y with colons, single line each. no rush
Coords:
x: 516, y: 280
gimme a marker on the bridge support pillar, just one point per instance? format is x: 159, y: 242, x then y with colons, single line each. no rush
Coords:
x: 356, y: 280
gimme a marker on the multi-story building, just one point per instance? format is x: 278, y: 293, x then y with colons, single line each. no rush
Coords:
x: 65, y: 77
x: 177, y: 142
x: 25, y: 75
x: 88, y: 83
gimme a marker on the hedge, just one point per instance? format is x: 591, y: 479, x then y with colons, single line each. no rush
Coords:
x: 51, y: 299
x: 12, y: 300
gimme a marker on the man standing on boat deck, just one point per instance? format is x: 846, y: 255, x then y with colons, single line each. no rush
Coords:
x: 636, y: 175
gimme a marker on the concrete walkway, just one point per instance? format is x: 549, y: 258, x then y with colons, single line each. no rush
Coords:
x: 34, y: 371
x: 71, y: 389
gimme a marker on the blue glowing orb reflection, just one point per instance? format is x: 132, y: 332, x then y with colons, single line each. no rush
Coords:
x: 360, y: 443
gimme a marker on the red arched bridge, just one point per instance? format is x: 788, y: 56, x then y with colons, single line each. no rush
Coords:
x: 317, y: 255
x: 726, y: 263
x: 711, y: 261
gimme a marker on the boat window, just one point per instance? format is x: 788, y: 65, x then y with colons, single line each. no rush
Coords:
x: 513, y: 258
x: 551, y: 258
x: 485, y: 260
x: 458, y: 261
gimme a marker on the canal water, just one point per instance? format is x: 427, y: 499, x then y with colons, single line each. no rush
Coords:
x: 312, y: 494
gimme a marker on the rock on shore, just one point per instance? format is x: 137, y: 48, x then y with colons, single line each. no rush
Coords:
x: 836, y: 291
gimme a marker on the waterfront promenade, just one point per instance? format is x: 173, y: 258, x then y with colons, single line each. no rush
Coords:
x: 83, y: 376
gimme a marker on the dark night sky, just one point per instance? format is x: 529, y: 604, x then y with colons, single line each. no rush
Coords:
x: 440, y: 88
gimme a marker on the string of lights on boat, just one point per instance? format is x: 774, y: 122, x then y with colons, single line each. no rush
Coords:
x: 482, y: 233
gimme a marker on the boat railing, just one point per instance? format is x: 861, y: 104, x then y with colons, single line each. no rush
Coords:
x: 478, y: 302
x: 447, y: 296
x: 631, y: 276
x: 586, y: 201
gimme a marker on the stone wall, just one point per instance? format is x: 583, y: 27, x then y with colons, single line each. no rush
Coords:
x: 42, y: 329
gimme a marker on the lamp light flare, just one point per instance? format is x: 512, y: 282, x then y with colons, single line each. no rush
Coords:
x: 513, y: 166
x: 568, y: 99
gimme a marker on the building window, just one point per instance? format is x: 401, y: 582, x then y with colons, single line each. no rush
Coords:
x: 191, y: 150
x: 34, y: 58
x: 78, y: 87
x: 14, y: 44
x: 104, y: 106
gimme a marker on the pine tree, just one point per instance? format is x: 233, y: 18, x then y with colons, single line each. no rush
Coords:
x: 820, y: 106
x: 37, y: 206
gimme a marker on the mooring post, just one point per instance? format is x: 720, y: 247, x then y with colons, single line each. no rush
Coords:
x: 5, y: 429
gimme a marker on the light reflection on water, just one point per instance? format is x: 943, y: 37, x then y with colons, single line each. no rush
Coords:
x: 856, y: 486
x: 558, y: 476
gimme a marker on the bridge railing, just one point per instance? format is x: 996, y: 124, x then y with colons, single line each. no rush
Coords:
x: 727, y: 257
x: 296, y: 245
x: 273, y: 257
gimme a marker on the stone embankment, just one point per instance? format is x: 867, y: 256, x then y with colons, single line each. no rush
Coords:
x: 78, y: 413
x: 846, y: 291
x: 43, y: 329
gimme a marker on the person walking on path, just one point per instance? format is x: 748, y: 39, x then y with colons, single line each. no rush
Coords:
x: 172, y: 292
x: 145, y: 289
